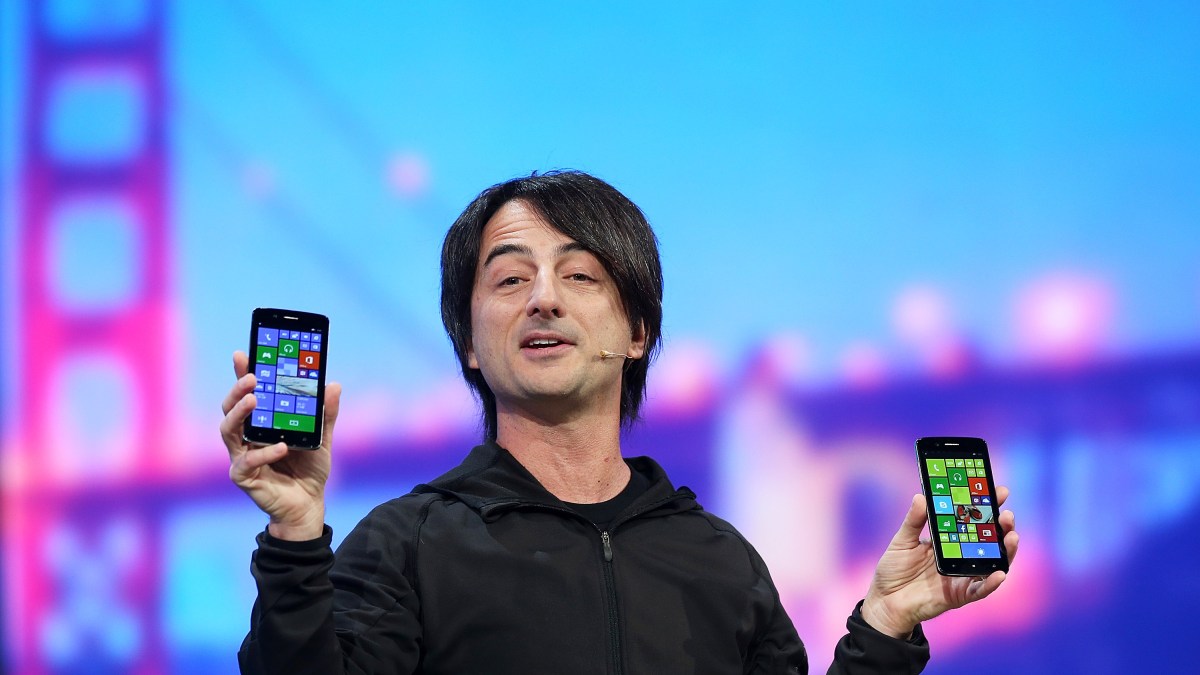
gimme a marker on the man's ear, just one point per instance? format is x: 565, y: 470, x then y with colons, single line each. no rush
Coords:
x: 637, y: 344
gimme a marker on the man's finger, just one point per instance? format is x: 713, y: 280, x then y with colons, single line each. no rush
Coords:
x: 333, y: 402
x: 241, y: 364
x: 1012, y: 541
x: 1008, y: 520
x: 1008, y: 525
x: 987, y: 586
x: 1001, y: 495
x: 245, y: 384
x: 235, y: 419
x: 249, y: 462
x: 909, y: 533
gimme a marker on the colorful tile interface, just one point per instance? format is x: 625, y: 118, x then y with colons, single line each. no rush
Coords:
x: 286, y: 364
x: 963, y: 511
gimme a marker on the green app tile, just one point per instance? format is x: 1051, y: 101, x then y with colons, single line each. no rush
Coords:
x: 959, y: 463
x: 946, y: 524
x: 960, y: 495
x: 265, y: 355
x: 980, y: 473
x: 979, y: 463
x: 939, y: 486
x: 291, y: 422
x: 971, y: 527
x: 951, y: 550
x: 289, y: 349
x: 974, y: 538
x: 958, y: 477
x: 970, y: 472
x: 944, y: 536
x: 937, y: 467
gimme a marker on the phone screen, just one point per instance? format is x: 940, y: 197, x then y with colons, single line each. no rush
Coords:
x: 288, y: 358
x: 956, y: 477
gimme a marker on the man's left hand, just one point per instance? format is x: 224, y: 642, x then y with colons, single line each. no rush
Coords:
x: 907, y: 588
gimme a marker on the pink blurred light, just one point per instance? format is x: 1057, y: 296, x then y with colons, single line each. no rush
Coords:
x: 1063, y: 317
x: 923, y: 318
x: 790, y: 357
x: 783, y: 360
x: 683, y: 379
x: 921, y: 315
x: 408, y: 175
x: 863, y: 365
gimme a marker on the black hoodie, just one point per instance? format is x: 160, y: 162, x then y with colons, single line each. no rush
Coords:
x: 484, y: 571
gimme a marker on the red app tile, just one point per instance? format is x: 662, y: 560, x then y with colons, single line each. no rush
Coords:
x: 987, y: 532
x: 978, y: 485
x: 310, y: 360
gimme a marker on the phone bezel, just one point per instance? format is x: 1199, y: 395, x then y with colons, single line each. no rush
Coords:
x: 953, y: 447
x: 291, y: 320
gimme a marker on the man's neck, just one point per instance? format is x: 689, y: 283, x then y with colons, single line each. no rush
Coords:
x: 577, y: 460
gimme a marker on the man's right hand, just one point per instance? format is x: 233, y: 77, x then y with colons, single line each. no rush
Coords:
x: 289, y: 485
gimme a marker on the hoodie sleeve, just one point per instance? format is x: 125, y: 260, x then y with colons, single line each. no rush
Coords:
x: 778, y: 648
x: 864, y: 650
x: 356, y: 613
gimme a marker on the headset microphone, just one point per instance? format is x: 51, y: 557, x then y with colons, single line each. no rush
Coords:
x: 605, y: 354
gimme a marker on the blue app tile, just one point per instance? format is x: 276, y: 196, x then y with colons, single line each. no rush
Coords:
x: 262, y: 418
x: 306, y: 405
x: 962, y: 527
x: 975, y: 499
x: 295, y: 335
x: 264, y: 373
x: 312, y: 374
x: 305, y: 337
x: 986, y: 500
x: 268, y: 336
x: 983, y: 549
x: 302, y: 373
x: 305, y: 346
x: 943, y: 504
x: 259, y: 386
x: 288, y: 366
x: 265, y: 401
x: 270, y: 386
x: 285, y: 403
x: 953, y: 536
x: 316, y: 337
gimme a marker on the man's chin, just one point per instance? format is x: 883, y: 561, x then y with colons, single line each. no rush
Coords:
x: 549, y: 396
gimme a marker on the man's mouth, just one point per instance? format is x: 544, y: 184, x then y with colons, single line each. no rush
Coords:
x: 544, y: 342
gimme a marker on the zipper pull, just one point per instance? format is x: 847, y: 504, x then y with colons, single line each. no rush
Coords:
x: 607, y: 541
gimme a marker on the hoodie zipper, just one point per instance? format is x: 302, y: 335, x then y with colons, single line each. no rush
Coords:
x: 610, y: 586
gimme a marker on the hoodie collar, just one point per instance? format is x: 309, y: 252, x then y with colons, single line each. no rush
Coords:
x: 490, y: 480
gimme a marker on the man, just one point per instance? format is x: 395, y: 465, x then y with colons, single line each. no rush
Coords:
x: 545, y: 551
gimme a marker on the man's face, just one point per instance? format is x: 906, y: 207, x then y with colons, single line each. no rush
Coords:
x: 541, y: 311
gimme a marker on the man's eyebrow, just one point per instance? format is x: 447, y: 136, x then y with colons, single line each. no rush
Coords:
x: 570, y: 247
x: 504, y: 249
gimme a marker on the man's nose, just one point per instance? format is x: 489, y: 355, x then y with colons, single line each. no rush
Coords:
x: 544, y: 297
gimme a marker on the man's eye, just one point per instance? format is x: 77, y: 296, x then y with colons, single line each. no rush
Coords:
x: 510, y: 281
x: 580, y: 276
